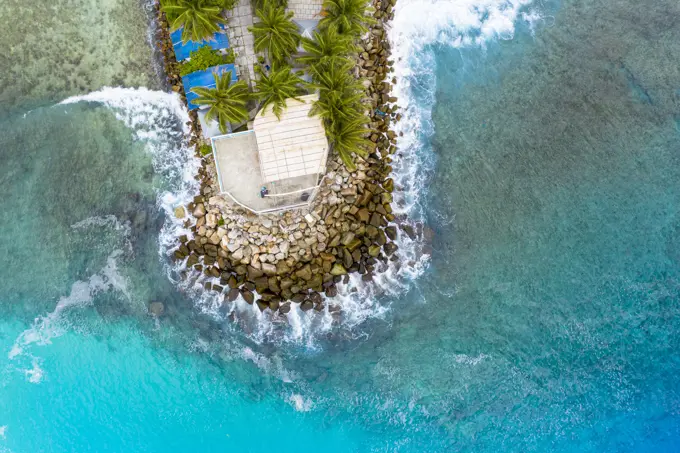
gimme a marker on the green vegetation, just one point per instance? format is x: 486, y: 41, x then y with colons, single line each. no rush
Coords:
x: 347, y: 16
x: 326, y: 50
x: 258, y: 4
x: 205, y: 149
x: 275, y: 88
x: 227, y: 102
x: 200, y: 18
x: 342, y: 111
x: 275, y: 33
x: 205, y: 58
x: 339, y: 94
x: 347, y: 136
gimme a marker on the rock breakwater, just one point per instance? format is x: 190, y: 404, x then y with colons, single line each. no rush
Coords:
x: 301, y: 256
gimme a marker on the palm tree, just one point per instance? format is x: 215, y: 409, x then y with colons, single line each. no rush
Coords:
x: 348, y: 136
x: 339, y: 94
x: 200, y: 18
x: 275, y: 88
x: 326, y: 49
x: 227, y: 102
x: 276, y: 33
x: 347, y: 16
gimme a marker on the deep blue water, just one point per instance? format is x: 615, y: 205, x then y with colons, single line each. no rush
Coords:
x: 545, y: 321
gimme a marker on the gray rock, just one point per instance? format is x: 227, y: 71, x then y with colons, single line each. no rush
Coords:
x: 156, y: 309
x: 199, y: 210
x: 269, y: 268
x: 390, y: 248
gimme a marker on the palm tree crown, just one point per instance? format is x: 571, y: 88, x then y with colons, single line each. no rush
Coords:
x: 276, y: 33
x: 339, y: 94
x: 326, y: 49
x: 200, y: 18
x: 227, y: 102
x: 275, y: 88
x: 347, y: 16
x: 348, y: 136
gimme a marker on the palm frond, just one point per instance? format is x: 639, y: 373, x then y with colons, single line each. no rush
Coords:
x: 227, y: 102
x: 200, y: 18
x: 275, y: 33
x: 276, y: 88
x: 350, y: 17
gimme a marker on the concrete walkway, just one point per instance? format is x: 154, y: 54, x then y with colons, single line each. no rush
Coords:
x: 240, y: 18
x: 305, y: 9
x: 241, y: 39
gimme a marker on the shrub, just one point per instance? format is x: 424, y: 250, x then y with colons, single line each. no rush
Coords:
x: 205, y: 150
x: 205, y: 58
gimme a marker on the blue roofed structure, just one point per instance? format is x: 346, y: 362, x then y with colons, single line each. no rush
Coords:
x: 183, y: 50
x: 205, y: 79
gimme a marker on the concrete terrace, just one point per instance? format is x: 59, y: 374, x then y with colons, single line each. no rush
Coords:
x: 240, y: 175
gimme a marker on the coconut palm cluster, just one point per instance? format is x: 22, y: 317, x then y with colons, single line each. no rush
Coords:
x: 328, y: 57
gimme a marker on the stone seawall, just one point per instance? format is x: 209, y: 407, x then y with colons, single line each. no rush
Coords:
x: 295, y: 257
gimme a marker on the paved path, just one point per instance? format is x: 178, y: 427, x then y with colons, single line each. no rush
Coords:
x: 305, y: 9
x: 242, y: 17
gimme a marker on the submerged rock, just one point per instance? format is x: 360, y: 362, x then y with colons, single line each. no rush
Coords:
x: 156, y: 309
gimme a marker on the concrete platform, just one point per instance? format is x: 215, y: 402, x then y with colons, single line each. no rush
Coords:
x: 239, y: 175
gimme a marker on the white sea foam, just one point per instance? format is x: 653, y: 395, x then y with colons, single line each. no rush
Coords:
x: 159, y: 120
x: 35, y: 374
x: 469, y: 360
x: 3, y: 431
x: 300, y: 403
x: 52, y: 325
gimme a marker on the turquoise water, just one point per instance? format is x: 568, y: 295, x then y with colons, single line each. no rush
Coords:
x: 545, y: 320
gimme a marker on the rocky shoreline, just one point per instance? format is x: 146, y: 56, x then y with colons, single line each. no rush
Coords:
x: 294, y: 257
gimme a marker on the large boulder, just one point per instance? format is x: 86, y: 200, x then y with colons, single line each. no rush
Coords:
x: 232, y: 295
x: 268, y: 269
x: 199, y: 210
x: 248, y: 296
x: 376, y: 220
x: 338, y: 269
x: 180, y: 212
x: 304, y: 273
x: 363, y: 215
x: 390, y: 248
x: 254, y: 274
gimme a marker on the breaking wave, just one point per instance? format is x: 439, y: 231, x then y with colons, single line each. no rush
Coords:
x: 54, y: 324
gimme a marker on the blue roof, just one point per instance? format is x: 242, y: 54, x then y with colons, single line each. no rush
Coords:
x: 205, y: 79
x: 183, y: 50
